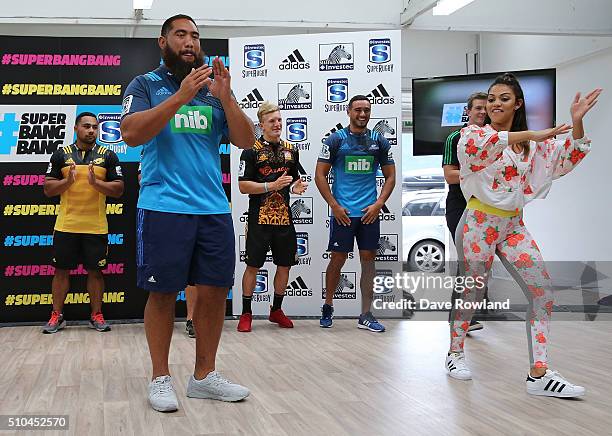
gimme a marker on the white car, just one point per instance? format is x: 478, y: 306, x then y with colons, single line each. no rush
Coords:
x: 424, y: 229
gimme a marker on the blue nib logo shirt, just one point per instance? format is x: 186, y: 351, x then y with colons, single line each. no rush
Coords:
x: 355, y: 160
x: 181, y: 167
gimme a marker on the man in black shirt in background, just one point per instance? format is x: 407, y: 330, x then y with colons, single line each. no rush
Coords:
x: 455, y: 202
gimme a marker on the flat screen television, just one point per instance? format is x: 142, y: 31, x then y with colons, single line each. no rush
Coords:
x: 439, y: 104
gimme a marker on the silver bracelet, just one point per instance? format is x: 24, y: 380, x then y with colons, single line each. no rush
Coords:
x: 266, y: 186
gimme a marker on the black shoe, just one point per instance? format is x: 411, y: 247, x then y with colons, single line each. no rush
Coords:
x: 475, y: 325
x: 189, y: 329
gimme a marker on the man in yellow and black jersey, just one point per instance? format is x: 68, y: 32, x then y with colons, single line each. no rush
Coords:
x: 268, y: 172
x: 83, y: 174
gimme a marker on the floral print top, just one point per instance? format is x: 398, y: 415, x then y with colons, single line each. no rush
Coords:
x: 493, y: 173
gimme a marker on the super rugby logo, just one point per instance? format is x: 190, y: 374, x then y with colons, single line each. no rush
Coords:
x: 336, y: 57
x: 380, y: 55
x: 302, y: 248
x: 109, y: 131
x: 254, y: 61
x: 295, y: 61
x: 292, y: 96
x: 260, y: 293
x: 337, y: 93
x: 297, y: 132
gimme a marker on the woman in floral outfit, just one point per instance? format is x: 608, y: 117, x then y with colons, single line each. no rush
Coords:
x: 503, y: 167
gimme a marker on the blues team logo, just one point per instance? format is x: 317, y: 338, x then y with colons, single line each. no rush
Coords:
x: 254, y: 61
x: 109, y: 130
x: 336, y: 57
x: 380, y: 55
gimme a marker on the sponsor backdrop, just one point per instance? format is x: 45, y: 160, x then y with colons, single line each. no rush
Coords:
x: 312, y: 78
x: 45, y: 83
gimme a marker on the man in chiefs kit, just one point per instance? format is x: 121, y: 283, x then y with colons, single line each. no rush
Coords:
x: 268, y: 173
x: 185, y: 233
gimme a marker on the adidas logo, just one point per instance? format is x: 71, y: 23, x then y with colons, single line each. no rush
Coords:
x: 152, y: 280
x: 252, y: 101
x: 295, y: 61
x: 163, y: 91
x: 379, y: 95
x: 337, y: 127
x: 336, y: 244
x: 298, y: 288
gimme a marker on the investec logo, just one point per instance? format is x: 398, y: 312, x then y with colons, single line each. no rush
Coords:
x: 379, y: 95
x: 336, y: 57
x: 260, y: 293
x: 192, y: 119
x: 254, y: 61
x: 296, y: 95
x: 380, y: 55
x: 295, y: 61
x: 32, y: 133
x: 297, y: 132
x: 345, y: 290
x: 337, y: 93
x: 301, y: 210
x: 386, y: 127
x: 359, y: 164
x: 387, y: 248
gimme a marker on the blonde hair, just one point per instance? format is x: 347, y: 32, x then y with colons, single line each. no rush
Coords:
x: 265, y: 109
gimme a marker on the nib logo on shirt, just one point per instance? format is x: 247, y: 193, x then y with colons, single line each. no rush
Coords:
x: 192, y: 119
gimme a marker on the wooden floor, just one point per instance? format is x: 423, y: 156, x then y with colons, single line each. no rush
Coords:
x: 310, y: 381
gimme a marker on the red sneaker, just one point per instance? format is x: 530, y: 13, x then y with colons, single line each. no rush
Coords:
x: 280, y: 318
x: 244, y: 324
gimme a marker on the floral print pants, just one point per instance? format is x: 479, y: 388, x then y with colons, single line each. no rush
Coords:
x: 479, y: 237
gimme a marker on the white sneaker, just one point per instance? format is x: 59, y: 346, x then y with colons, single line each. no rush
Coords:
x: 215, y: 387
x: 552, y: 384
x: 161, y: 394
x: 456, y: 366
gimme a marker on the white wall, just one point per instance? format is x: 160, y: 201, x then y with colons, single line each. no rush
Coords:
x: 431, y: 53
x: 573, y: 222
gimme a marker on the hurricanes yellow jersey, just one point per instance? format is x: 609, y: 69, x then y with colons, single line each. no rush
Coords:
x: 82, y: 208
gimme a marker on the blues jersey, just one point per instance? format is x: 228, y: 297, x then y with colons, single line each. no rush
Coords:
x: 181, y: 167
x: 355, y: 159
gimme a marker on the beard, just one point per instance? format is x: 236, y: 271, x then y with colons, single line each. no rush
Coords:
x: 177, y: 66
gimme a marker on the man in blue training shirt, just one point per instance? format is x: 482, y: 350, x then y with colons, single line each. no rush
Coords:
x: 185, y: 233
x: 354, y: 154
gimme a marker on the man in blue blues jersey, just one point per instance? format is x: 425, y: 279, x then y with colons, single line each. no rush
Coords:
x: 185, y: 233
x: 354, y: 155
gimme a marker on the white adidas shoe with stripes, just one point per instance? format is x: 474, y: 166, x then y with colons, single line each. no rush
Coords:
x: 552, y: 384
x: 456, y: 366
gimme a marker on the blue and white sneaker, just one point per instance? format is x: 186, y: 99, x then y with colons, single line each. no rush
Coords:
x: 367, y: 321
x: 327, y: 313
